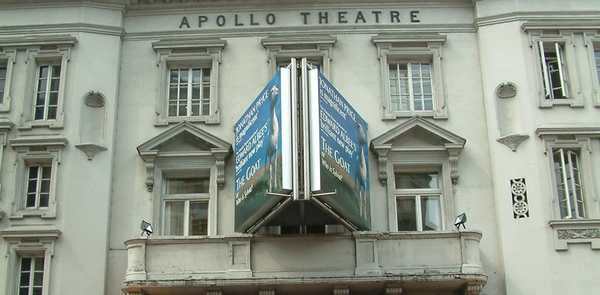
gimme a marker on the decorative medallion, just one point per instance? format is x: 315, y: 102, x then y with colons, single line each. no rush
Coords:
x: 519, y: 198
x: 94, y: 99
x: 506, y: 90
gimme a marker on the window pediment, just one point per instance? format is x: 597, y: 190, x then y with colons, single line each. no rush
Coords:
x: 417, y: 140
x: 185, y: 145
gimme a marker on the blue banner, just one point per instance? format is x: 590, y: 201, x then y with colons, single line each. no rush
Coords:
x: 339, y: 152
x: 262, y: 142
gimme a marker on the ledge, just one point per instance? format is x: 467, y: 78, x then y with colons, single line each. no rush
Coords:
x: 576, y: 231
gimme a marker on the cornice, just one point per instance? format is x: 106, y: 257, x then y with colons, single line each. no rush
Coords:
x: 31, y: 231
x: 542, y: 16
x: 588, y: 130
x: 62, y: 28
x: 367, y: 29
x: 30, y: 4
x: 38, y: 141
x: 38, y: 40
x: 169, y: 6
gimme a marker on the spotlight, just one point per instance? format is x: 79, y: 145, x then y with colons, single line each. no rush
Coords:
x: 146, y: 228
x: 460, y: 220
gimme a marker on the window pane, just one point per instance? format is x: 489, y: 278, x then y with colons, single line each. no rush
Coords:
x: 431, y: 213
x: 174, y: 218
x: 406, y: 214
x: 187, y: 185
x: 38, y: 279
x: 55, y: 71
x: 198, y: 218
x: 416, y: 180
x: 43, y: 72
x: 24, y: 279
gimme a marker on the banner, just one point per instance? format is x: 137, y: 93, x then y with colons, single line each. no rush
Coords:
x: 339, y: 152
x: 263, y: 152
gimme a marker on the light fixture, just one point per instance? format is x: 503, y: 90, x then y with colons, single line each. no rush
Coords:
x: 460, y: 220
x: 146, y: 228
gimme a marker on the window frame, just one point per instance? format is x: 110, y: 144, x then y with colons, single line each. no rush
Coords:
x: 7, y: 58
x: 43, y: 51
x: 281, y: 49
x: 539, y: 34
x: 188, y: 198
x: 28, y: 241
x: 35, y: 150
x: 204, y: 156
x: 403, y: 48
x: 438, y: 151
x: 574, y: 139
x: 592, y: 42
x: 410, y: 82
x: 187, y: 53
x: 417, y: 194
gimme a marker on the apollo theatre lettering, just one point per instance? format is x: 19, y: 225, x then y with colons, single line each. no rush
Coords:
x: 303, y: 18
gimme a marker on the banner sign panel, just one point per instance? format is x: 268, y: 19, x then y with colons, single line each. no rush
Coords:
x: 263, y: 152
x: 339, y: 152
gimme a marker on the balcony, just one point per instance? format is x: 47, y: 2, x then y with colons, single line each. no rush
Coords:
x: 369, y: 262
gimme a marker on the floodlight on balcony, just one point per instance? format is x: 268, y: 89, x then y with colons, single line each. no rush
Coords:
x: 146, y: 228
x: 460, y: 220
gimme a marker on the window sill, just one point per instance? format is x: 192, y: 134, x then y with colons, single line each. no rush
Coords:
x: 569, y: 102
x: 409, y: 114
x: 208, y: 120
x: 575, y: 231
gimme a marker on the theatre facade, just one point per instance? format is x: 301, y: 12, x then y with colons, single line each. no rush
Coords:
x: 292, y: 147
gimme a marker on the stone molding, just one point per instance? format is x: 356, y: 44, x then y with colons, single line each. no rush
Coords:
x: 576, y: 231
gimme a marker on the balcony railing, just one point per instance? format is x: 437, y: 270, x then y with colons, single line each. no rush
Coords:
x: 244, y: 264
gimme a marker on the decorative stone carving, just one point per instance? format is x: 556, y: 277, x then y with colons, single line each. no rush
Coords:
x: 266, y: 292
x: 572, y: 234
x: 432, y: 141
x: 513, y: 140
x: 200, y: 151
x: 393, y: 290
x: 90, y: 149
x: 341, y: 290
x: 506, y: 90
x: 519, y: 198
x: 382, y: 161
x: 473, y: 289
x: 94, y: 99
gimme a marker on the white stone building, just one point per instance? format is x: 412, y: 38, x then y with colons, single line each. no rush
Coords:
x: 118, y: 111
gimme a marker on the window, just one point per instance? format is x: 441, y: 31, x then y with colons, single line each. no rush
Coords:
x: 47, y: 60
x: 568, y: 183
x: 186, y: 206
x: 553, y: 66
x: 48, y: 82
x: 592, y: 42
x: 188, y: 80
x: 185, y: 169
x: 189, y: 92
x: 424, y: 159
x: 31, y: 275
x: 38, y: 186
x: 7, y: 59
x: 36, y: 173
x: 410, y: 86
x: 571, y: 174
x: 3, y: 70
x: 316, y: 48
x: 411, y: 75
x: 418, y: 201
x: 29, y: 253
x: 568, y: 150
x: 554, y: 60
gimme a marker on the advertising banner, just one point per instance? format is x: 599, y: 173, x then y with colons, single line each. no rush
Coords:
x: 339, y: 153
x: 263, y: 152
